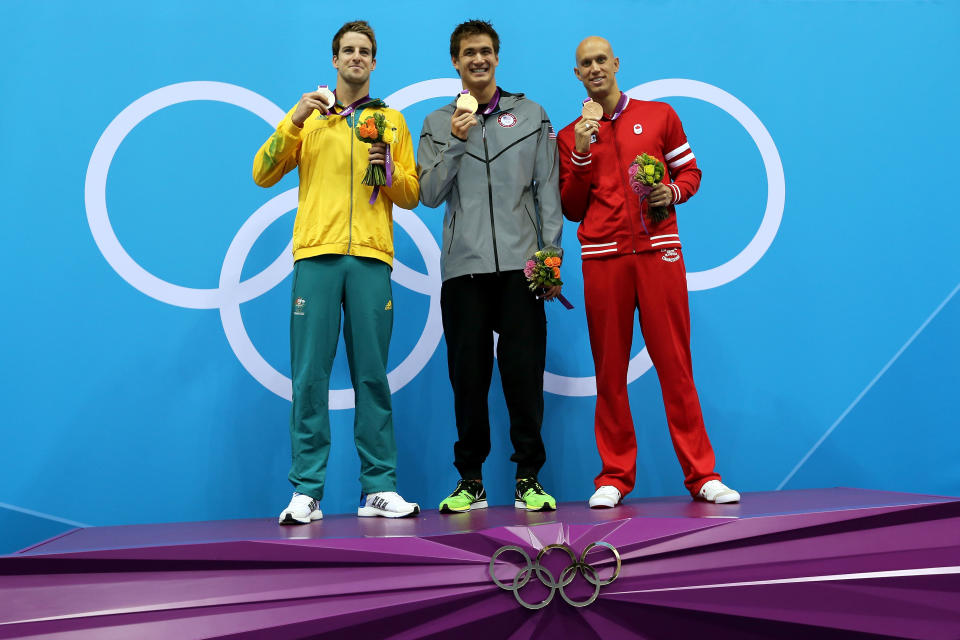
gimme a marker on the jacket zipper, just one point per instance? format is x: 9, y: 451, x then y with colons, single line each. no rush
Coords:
x: 493, y: 227
x: 351, y: 122
x: 626, y: 199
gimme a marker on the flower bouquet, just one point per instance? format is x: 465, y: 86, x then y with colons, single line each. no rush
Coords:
x: 543, y: 271
x: 372, y: 129
x: 645, y: 172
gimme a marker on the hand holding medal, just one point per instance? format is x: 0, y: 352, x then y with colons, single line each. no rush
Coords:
x: 326, y: 96
x: 466, y: 102
x: 588, y: 127
x: 463, y: 117
x: 591, y: 110
x: 320, y: 100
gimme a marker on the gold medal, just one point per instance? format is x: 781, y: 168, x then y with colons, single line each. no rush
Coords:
x: 467, y: 102
x: 592, y: 110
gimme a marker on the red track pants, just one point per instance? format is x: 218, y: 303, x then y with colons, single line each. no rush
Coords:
x: 654, y: 282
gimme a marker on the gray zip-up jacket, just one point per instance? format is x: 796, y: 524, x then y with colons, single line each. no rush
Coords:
x: 501, y: 186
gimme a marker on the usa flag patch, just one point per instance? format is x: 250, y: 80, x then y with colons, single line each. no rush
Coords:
x: 550, y: 132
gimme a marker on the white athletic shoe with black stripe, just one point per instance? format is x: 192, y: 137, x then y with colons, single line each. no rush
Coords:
x: 302, y: 510
x: 386, y: 504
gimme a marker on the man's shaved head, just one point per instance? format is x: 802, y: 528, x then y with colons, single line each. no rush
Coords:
x: 597, y: 68
x: 592, y: 42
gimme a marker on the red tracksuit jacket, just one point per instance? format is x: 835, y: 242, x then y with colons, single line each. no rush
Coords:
x: 594, y: 188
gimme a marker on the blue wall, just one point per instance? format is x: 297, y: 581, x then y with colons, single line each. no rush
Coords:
x: 823, y: 308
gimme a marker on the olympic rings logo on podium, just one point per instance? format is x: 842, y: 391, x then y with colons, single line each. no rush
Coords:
x: 577, y: 565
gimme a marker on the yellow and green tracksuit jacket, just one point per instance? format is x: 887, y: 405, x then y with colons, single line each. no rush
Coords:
x: 334, y: 215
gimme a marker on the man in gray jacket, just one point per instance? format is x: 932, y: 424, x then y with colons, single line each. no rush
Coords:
x: 497, y: 172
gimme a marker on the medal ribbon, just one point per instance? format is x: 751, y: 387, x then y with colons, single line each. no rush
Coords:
x: 492, y: 105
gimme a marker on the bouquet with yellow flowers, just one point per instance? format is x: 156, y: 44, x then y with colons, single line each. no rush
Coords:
x: 645, y: 172
x: 543, y: 271
x: 372, y: 129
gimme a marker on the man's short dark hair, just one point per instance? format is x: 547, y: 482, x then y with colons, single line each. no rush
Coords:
x: 357, y: 26
x: 472, y: 28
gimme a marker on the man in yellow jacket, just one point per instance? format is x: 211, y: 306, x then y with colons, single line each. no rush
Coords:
x: 343, y: 255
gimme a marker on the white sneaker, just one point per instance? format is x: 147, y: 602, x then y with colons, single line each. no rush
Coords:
x: 716, y: 491
x: 387, y: 504
x: 302, y: 510
x: 605, y: 497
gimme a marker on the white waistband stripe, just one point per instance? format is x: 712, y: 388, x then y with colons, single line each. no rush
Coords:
x: 590, y: 253
x: 594, y: 246
x: 668, y: 235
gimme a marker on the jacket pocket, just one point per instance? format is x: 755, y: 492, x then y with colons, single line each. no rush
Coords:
x: 453, y: 230
x: 533, y: 223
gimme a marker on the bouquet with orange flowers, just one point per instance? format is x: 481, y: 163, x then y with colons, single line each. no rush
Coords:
x: 543, y: 271
x: 372, y: 129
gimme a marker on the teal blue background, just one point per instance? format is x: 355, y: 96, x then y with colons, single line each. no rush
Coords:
x: 118, y: 408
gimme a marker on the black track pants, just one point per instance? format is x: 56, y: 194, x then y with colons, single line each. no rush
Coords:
x: 473, y: 308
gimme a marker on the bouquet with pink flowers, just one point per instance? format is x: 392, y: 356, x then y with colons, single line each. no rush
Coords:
x: 543, y: 271
x: 645, y: 172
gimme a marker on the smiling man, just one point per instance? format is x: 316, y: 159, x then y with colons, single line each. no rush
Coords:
x: 343, y: 254
x: 492, y: 161
x: 632, y: 262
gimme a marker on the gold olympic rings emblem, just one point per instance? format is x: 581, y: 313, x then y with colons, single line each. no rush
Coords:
x: 566, y: 576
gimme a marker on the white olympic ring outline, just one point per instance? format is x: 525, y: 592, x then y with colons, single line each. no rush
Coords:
x: 567, y: 576
x: 231, y: 291
x: 739, y: 264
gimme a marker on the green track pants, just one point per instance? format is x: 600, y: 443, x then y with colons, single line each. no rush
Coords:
x: 361, y: 287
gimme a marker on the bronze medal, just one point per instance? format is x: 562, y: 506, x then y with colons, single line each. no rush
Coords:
x: 592, y: 110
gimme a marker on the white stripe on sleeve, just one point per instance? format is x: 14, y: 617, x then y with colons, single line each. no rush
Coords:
x: 673, y: 154
x: 684, y: 160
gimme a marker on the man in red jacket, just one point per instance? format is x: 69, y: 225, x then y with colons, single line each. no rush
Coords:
x: 633, y: 261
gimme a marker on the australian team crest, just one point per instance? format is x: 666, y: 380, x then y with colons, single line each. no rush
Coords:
x: 298, y: 306
x: 506, y: 120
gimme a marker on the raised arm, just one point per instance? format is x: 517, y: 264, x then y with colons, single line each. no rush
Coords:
x: 576, y: 171
x: 438, y: 160
x: 279, y: 154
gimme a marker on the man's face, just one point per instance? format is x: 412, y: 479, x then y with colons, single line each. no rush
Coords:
x: 596, y: 67
x: 355, y: 60
x: 476, y: 62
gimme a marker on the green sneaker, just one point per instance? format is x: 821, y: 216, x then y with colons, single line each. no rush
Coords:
x: 531, y: 496
x: 468, y: 495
